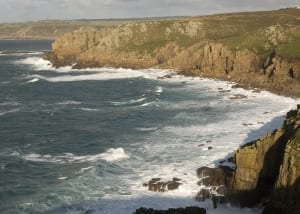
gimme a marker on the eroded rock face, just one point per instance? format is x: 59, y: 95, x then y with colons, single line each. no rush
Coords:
x: 187, y: 210
x: 270, y: 168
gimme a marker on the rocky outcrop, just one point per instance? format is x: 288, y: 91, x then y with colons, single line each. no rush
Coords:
x: 214, y: 184
x: 158, y: 185
x: 187, y: 210
x: 268, y: 169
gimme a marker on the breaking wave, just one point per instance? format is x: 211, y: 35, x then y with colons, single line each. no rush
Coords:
x: 111, y: 155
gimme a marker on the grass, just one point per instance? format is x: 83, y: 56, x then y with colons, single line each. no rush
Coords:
x: 260, y: 32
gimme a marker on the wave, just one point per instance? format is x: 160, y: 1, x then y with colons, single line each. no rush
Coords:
x: 133, y: 101
x: 111, y: 155
x: 158, y: 89
x: 37, y: 63
x: 88, y: 109
x: 20, y: 53
x: 69, y: 102
x: 103, y: 73
x: 33, y: 80
x: 9, y: 112
x: 10, y: 103
x: 147, y: 129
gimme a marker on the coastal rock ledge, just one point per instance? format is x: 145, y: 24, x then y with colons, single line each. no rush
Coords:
x: 267, y: 170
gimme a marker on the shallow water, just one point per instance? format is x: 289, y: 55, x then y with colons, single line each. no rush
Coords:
x: 73, y: 141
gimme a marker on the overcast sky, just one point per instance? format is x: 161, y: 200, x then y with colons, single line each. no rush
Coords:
x: 24, y: 10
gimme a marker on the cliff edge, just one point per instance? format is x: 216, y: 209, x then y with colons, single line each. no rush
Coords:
x: 268, y: 169
x: 259, y: 49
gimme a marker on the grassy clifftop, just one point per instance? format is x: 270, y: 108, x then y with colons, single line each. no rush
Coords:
x: 259, y: 32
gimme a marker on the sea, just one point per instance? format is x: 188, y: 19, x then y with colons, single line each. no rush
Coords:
x: 84, y: 141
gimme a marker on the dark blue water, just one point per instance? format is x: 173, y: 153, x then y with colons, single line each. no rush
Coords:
x: 77, y: 141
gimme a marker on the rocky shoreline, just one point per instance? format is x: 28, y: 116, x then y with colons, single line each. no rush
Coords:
x: 268, y: 169
x: 267, y: 172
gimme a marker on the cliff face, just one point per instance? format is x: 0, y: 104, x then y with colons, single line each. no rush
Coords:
x: 269, y: 169
x: 261, y: 49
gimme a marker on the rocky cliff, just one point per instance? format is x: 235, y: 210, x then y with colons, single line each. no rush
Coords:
x: 260, y: 49
x: 268, y: 169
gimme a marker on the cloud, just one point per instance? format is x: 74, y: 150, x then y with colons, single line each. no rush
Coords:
x: 23, y: 10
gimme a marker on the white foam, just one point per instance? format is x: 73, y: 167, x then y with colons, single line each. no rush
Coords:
x: 9, y: 112
x: 111, y: 155
x: 89, y: 109
x: 146, y: 129
x: 20, y: 53
x: 39, y: 64
x: 158, y: 89
x: 33, y: 80
x: 10, y: 103
x: 132, y: 101
x: 62, y: 178
x: 69, y: 102
x: 147, y: 104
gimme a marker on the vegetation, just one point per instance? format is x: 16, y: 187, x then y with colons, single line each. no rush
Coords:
x: 260, y: 32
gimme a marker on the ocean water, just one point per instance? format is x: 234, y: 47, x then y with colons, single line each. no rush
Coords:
x: 84, y: 141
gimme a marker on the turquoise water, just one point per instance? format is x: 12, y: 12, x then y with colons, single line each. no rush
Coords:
x: 77, y: 141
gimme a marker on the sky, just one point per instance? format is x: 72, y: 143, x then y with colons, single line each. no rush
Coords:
x: 32, y: 10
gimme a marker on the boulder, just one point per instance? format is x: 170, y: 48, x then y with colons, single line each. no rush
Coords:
x: 211, y: 176
x: 158, y: 185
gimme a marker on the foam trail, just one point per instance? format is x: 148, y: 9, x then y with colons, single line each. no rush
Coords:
x: 9, y: 112
x: 89, y: 77
x: 111, y: 155
x: 20, y: 53
x: 103, y: 73
x: 133, y: 101
x: 33, y: 80
x: 89, y: 109
x: 69, y: 102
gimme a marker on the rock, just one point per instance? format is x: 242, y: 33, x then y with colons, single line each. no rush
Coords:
x: 215, y: 183
x: 238, y: 96
x: 203, y: 194
x: 157, y: 185
x: 187, y: 210
x: 211, y: 176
